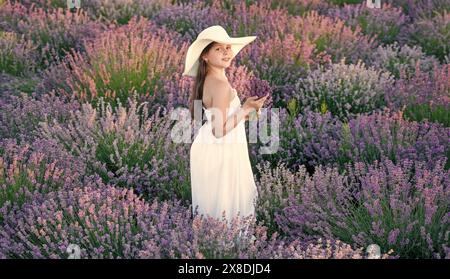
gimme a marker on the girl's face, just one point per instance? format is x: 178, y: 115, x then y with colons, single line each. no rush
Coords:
x: 220, y: 55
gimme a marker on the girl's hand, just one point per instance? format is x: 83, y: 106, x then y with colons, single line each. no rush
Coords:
x: 260, y: 102
x: 256, y: 104
x: 253, y: 102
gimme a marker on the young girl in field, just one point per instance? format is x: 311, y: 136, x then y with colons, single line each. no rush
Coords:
x: 221, y: 175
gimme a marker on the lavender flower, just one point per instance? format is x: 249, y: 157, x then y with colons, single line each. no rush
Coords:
x: 127, y: 147
x: 396, y: 59
x: 402, y: 206
x: 17, y: 55
x: 332, y: 36
x: 107, y: 222
x: 387, y: 135
x: 20, y: 115
x: 431, y: 34
x: 385, y: 23
x: 190, y: 19
x: 55, y: 31
x: 344, y: 90
x: 28, y: 171
x: 113, y: 70
x: 423, y: 95
x: 308, y: 139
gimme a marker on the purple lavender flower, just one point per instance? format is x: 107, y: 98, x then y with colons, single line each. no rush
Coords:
x: 384, y: 23
x: 401, y: 206
x: 106, y: 222
x: 29, y: 171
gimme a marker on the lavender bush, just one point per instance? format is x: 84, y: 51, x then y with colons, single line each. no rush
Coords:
x: 395, y: 59
x: 31, y: 170
x: 20, y: 115
x: 122, y: 11
x: 431, y: 34
x: 189, y: 19
x: 312, y: 139
x: 14, y: 85
x: 423, y: 95
x: 107, y: 222
x: 121, y: 62
x: 402, y: 206
x: 344, y: 90
x: 300, y: 7
x: 54, y: 32
x: 309, y: 138
x: 275, y: 185
x: 127, y: 147
x: 388, y: 135
x: 103, y: 221
x: 333, y: 36
x: 385, y: 23
x: 258, y: 19
x: 17, y: 55
x: 281, y: 62
x: 421, y: 9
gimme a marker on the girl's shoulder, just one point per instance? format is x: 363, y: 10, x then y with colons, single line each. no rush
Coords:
x: 212, y: 84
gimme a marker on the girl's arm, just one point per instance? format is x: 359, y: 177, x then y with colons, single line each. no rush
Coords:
x: 220, y: 102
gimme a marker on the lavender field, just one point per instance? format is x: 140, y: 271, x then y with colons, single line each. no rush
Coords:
x: 86, y: 155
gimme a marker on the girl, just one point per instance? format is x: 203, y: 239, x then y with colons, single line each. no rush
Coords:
x: 221, y: 175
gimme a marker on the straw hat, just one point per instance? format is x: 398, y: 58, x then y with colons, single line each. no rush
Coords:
x: 214, y: 33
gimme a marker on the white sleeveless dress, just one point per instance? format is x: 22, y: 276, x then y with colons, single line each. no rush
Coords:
x: 221, y: 173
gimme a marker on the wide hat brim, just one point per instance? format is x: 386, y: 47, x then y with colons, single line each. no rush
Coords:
x: 216, y: 34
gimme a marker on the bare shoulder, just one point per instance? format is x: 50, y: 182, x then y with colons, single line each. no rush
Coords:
x: 215, y: 89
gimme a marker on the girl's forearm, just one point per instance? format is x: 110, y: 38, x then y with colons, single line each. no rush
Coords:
x: 233, y: 120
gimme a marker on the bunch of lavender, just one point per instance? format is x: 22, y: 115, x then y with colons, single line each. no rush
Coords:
x: 402, y: 206
x: 424, y: 95
x: 177, y: 90
x: 388, y: 135
x: 20, y: 115
x: 344, y: 90
x: 396, y: 59
x: 431, y: 34
x: 121, y: 62
x: 127, y: 147
x: 54, y: 32
x: 17, y: 55
x: 31, y: 170
x: 385, y: 23
x: 429, y: 8
x: 333, y: 36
